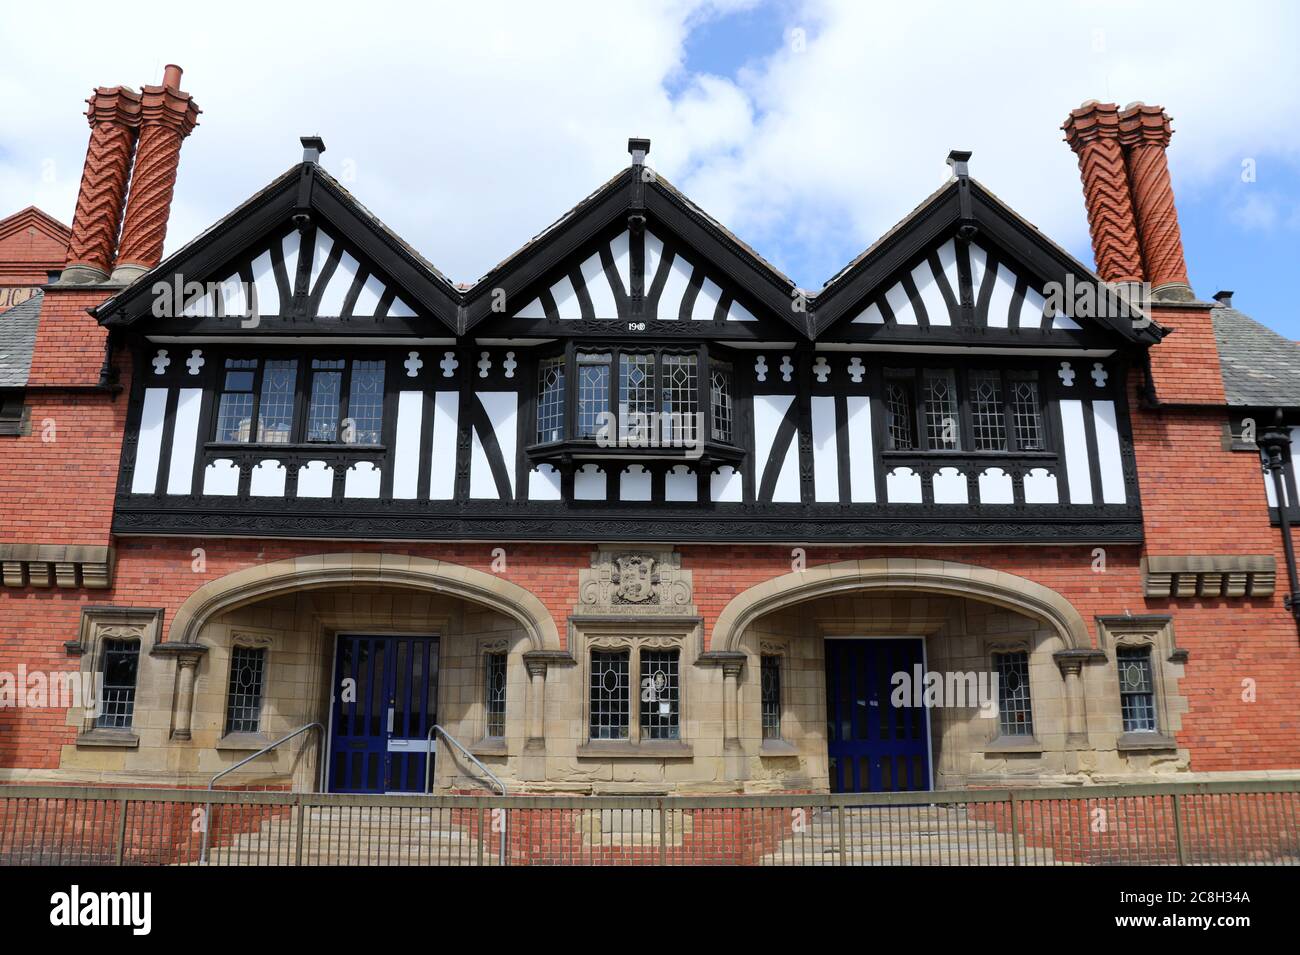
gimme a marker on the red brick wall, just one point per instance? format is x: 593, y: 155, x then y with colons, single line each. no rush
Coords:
x: 1185, y: 366
x: 31, y: 246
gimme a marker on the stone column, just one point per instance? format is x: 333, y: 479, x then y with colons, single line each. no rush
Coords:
x: 731, y: 668
x: 188, y: 664
x: 536, y: 702
x: 1076, y: 721
x: 187, y: 657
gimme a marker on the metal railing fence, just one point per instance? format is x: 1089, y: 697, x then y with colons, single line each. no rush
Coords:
x: 1213, y: 823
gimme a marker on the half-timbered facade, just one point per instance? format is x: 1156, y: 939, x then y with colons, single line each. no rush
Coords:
x: 633, y: 512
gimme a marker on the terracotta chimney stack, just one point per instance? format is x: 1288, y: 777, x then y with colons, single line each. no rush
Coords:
x: 167, y: 116
x: 1144, y: 132
x: 114, y: 116
x: 1092, y: 131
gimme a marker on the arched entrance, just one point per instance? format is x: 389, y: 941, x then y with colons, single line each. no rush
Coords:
x: 855, y: 648
x: 376, y: 648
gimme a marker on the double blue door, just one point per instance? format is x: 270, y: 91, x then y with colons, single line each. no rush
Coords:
x: 385, y: 702
x: 874, y: 746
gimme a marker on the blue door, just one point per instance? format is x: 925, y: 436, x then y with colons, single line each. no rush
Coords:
x: 872, y: 745
x: 385, y: 701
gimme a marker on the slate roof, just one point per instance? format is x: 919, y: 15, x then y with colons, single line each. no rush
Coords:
x: 18, y: 341
x: 1260, y: 367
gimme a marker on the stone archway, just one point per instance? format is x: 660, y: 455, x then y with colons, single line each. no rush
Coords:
x: 899, y: 573
x: 394, y: 570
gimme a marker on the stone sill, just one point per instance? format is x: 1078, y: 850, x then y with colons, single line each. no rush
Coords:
x: 621, y: 749
x: 489, y: 746
x: 1027, y: 745
x: 115, y: 739
x: 244, y: 742
x: 1139, y: 742
x: 778, y: 748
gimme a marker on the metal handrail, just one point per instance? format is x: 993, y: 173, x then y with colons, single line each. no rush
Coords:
x: 428, y: 763
x: 428, y: 782
x: 207, y: 810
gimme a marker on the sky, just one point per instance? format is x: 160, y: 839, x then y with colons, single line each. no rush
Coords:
x: 807, y: 127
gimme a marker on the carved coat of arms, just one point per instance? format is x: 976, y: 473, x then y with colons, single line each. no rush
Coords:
x: 635, y: 578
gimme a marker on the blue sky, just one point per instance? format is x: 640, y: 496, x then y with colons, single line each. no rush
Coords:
x: 808, y: 127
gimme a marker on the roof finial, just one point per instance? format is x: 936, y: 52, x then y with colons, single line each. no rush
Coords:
x: 312, y: 147
x: 958, y: 158
x: 638, y: 148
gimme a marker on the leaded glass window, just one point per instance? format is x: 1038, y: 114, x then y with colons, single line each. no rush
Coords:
x: 244, y: 694
x: 366, y: 403
x: 1026, y: 415
x: 720, y: 412
x: 119, y: 667
x: 550, y: 400
x: 495, y: 694
x: 275, y: 407
x: 593, y: 393
x: 681, y: 398
x: 235, y: 407
x: 770, y: 677
x: 610, y: 694
x: 1015, y: 708
x: 1137, y: 695
x: 899, y: 415
x: 636, y: 396
x: 326, y: 393
x: 660, y: 698
x: 988, y: 423
x: 941, y: 421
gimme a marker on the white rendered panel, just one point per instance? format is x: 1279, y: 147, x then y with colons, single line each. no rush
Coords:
x: 500, y: 408
x: 153, y: 418
x: 621, y: 250
x: 927, y: 287
x: 368, y: 299
x: 1004, y: 287
x: 726, y: 485
x: 949, y: 486
x: 862, y: 475
x: 589, y: 483
x: 566, y: 299
x: 995, y: 487
x: 406, y: 453
x: 221, y: 478
x: 634, y: 483
x: 1040, y: 487
x: 268, y: 293
x: 826, y: 462
x: 315, y: 479
x: 1109, y: 459
x: 900, y: 304
x: 903, y: 486
x: 185, y: 441
x: 680, y: 484
x: 706, y: 302
x: 1074, y: 445
x: 267, y: 479
x: 331, y: 303
x: 442, y: 473
x: 362, y: 480
x: 598, y: 288
x: 679, y: 279
x: 544, y: 483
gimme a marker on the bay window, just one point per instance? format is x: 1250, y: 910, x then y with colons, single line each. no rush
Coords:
x: 643, y: 397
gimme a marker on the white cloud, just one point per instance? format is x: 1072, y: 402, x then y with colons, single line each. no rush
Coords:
x: 470, y: 127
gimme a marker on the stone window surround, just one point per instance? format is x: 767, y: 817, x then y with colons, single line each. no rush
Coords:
x: 1000, y: 743
x: 632, y: 634
x: 110, y: 622
x: 780, y: 746
x: 1157, y: 632
x: 259, y: 640
x: 489, y: 745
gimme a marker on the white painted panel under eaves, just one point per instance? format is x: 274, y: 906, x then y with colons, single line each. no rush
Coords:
x: 148, y: 450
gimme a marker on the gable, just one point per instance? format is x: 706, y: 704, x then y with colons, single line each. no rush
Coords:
x: 964, y: 269
x: 676, y: 285
x: 1003, y: 294
x: 307, y: 274
x: 300, y: 257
